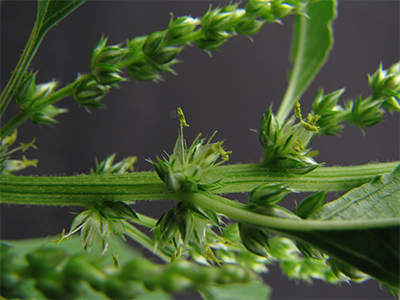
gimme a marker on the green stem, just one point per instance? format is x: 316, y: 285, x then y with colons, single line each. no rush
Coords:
x: 19, y: 70
x: 237, y: 211
x: 144, y: 240
x: 24, y: 115
x: 84, y: 190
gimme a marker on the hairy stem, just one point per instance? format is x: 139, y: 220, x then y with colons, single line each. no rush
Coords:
x: 84, y: 190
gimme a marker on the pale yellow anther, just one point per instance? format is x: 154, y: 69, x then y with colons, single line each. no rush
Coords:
x: 181, y: 117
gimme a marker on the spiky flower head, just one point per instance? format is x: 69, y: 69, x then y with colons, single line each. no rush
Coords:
x: 183, y: 169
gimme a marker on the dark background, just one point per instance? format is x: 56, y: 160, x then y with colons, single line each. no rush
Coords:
x: 228, y: 92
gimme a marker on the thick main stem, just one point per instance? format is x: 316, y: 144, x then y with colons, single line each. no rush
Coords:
x: 84, y: 190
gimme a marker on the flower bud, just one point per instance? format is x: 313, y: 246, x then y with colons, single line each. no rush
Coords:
x: 181, y: 27
x: 209, y: 44
x: 79, y: 268
x: 310, y: 204
x: 323, y: 104
x: 107, y: 55
x: 308, y: 251
x: 43, y: 260
x: 298, y: 164
x: 106, y: 74
x: 118, y: 210
x: 107, y: 167
x: 175, y: 283
x: 153, y: 42
x: 365, y: 113
x: 247, y: 26
x: 255, y: 7
x: 269, y: 130
x: 392, y: 103
x: 115, y: 288
x: 281, y: 10
x: 166, y: 55
x: 25, y: 91
x: 88, y: 93
x: 46, y: 115
x: 167, y: 224
x: 351, y: 272
x: 184, y: 221
x: 268, y: 194
x: 143, y: 72
x: 254, y: 239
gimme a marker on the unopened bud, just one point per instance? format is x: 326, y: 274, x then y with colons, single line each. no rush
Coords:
x: 281, y: 10
x: 143, y: 72
x: 351, y: 272
x: 268, y: 194
x: 299, y: 164
x: 153, y: 42
x: 108, y: 55
x: 25, y: 91
x: 180, y: 27
x: 88, y: 93
x: 44, y: 89
x: 165, y: 55
x: 310, y: 204
x: 46, y: 115
x: 106, y: 74
x: 269, y: 129
x: 254, y: 239
x: 209, y: 44
x: 247, y: 26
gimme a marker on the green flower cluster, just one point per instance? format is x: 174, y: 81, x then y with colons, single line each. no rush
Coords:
x: 285, y: 145
x: 90, y: 89
x: 150, y: 55
x: 362, y: 112
x: 298, y: 260
x: 52, y: 273
x: 263, y: 200
x: 99, y: 223
x: 107, y: 167
x: 146, y: 57
x: 182, y: 170
x: 279, y: 249
x: 28, y: 93
x: 386, y: 86
x: 8, y: 165
x: 186, y: 226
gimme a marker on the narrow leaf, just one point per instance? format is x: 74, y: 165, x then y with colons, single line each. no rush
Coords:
x: 49, y: 13
x: 311, y: 43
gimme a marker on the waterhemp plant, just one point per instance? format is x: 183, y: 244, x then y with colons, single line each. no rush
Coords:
x: 208, y: 242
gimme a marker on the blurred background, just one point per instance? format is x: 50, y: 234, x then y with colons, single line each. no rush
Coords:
x: 227, y: 92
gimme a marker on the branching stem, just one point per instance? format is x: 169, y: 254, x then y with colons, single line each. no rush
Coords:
x: 84, y: 190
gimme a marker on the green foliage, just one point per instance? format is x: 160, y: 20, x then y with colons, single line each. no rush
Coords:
x: 353, y: 238
x: 311, y: 44
x: 30, y: 269
x: 49, y: 13
x: 371, y: 247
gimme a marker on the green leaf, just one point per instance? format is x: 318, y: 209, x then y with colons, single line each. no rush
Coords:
x: 374, y: 250
x: 311, y: 43
x: 255, y: 289
x: 49, y: 13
